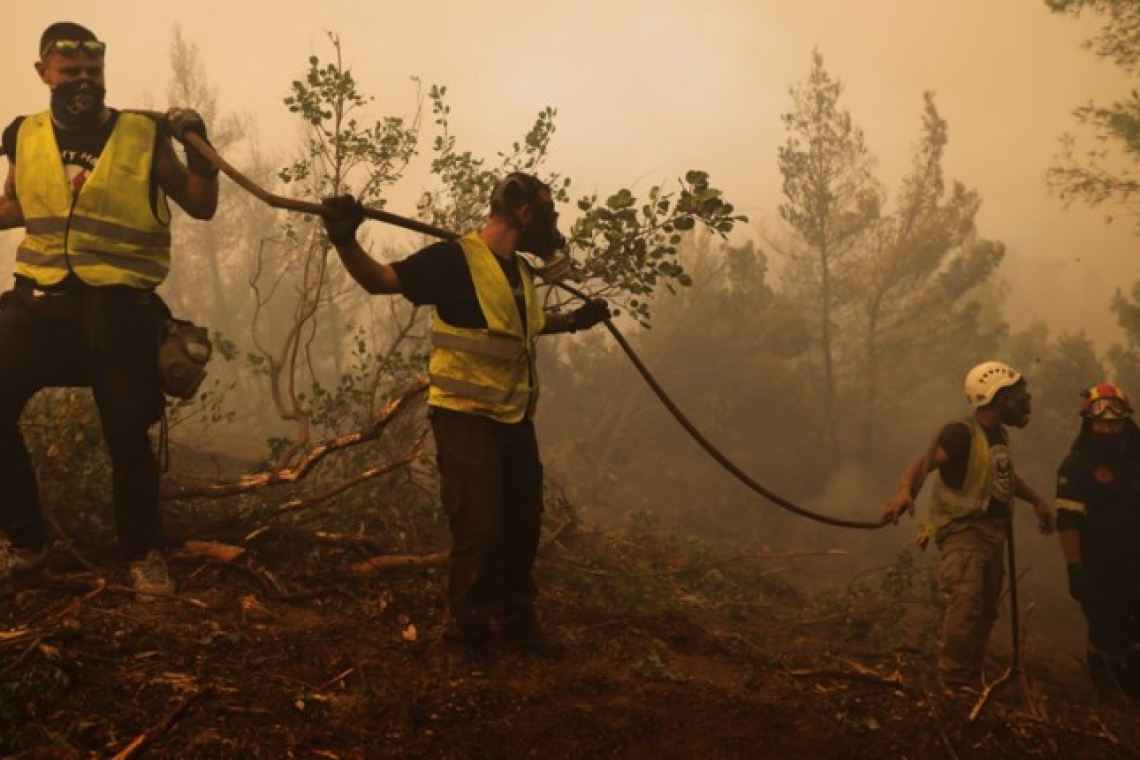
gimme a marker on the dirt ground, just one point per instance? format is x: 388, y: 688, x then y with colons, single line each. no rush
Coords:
x: 286, y: 651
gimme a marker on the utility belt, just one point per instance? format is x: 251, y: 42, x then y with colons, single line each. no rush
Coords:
x: 72, y: 297
x: 106, y: 313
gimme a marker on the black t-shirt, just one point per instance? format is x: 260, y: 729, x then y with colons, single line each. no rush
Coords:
x: 956, y: 441
x: 79, y: 150
x: 438, y: 275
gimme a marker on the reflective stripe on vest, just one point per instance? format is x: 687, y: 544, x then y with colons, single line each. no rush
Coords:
x: 488, y: 371
x: 1078, y: 508
x: 108, y: 235
x: 973, y: 498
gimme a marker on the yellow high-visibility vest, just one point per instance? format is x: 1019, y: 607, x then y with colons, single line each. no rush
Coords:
x: 108, y: 234
x: 488, y: 371
x: 973, y: 498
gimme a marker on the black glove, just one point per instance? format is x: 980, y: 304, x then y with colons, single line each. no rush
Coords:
x: 589, y: 314
x: 184, y: 121
x: 348, y: 215
x: 1077, y: 581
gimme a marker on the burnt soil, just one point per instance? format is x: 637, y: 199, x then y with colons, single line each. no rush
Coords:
x: 287, y: 651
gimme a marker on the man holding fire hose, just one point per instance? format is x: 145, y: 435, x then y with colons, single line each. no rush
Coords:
x: 971, y: 508
x: 482, y: 398
x: 90, y: 186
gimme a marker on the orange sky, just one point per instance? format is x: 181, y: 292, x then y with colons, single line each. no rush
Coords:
x: 646, y: 89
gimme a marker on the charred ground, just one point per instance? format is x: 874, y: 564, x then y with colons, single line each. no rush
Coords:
x: 677, y: 650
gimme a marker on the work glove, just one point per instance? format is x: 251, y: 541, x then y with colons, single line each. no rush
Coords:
x: 183, y: 121
x: 589, y: 314
x: 347, y: 215
x: 1077, y: 581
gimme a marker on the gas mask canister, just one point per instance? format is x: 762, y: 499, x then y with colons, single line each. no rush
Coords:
x: 541, y: 237
x: 182, y: 358
x: 77, y: 104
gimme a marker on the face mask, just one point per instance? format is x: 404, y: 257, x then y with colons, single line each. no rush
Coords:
x: 77, y: 104
x: 1014, y: 407
x: 542, y: 237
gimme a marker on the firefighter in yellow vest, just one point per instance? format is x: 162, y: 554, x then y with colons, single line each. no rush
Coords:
x: 481, y: 401
x: 89, y: 184
x: 971, y: 507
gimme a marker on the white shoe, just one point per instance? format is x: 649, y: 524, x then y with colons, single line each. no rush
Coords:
x: 150, y: 577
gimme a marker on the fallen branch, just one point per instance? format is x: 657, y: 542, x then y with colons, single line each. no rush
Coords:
x: 173, y: 490
x: 369, y: 474
x: 398, y: 561
x: 100, y: 587
x: 147, y: 737
x: 987, y: 691
x: 854, y: 671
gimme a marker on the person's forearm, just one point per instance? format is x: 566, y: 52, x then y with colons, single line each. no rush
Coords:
x: 374, y: 277
x: 201, y: 196
x: 1070, y: 546
x: 11, y: 214
x: 910, y: 479
x: 1022, y: 491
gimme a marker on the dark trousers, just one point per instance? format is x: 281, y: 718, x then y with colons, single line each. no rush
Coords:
x: 106, y: 340
x: 491, y: 478
x: 1111, y: 606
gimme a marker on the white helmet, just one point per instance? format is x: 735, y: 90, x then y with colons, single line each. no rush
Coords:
x: 986, y: 379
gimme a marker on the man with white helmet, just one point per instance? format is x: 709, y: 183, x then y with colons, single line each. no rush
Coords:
x: 1098, y: 521
x: 971, y: 509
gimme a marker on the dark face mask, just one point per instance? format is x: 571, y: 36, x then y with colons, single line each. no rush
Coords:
x: 1105, y: 443
x: 1014, y: 406
x: 77, y: 104
x: 542, y: 237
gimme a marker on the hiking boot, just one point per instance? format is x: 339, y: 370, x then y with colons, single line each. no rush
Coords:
x: 534, y: 640
x: 469, y: 660
x: 150, y: 576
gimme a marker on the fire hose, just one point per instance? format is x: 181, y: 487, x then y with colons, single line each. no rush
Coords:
x: 293, y: 204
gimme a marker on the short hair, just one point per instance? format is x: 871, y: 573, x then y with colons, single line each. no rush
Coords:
x: 64, y: 30
x: 514, y: 190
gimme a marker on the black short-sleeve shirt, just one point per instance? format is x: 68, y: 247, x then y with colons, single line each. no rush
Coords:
x: 955, y: 440
x: 438, y: 275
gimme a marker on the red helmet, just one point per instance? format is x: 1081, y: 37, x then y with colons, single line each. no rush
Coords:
x: 1105, y: 402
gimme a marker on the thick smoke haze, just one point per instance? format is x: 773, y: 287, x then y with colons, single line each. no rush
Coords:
x: 647, y: 89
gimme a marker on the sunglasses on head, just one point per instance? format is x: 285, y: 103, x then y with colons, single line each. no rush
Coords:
x: 72, y: 48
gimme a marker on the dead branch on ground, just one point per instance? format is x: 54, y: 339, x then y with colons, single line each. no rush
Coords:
x: 174, y: 490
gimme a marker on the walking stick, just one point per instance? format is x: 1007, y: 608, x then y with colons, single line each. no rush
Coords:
x: 1014, y: 668
x: 1014, y: 608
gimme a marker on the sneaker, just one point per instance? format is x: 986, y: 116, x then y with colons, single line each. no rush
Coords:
x: 150, y: 576
x: 534, y: 640
x: 471, y: 660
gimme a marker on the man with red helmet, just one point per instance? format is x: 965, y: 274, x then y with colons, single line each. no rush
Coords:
x: 1098, y: 521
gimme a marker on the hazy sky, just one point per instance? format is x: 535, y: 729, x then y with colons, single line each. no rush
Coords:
x: 646, y: 89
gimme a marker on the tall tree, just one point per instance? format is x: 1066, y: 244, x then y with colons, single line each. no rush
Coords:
x: 1107, y: 173
x: 919, y: 285
x: 831, y: 202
